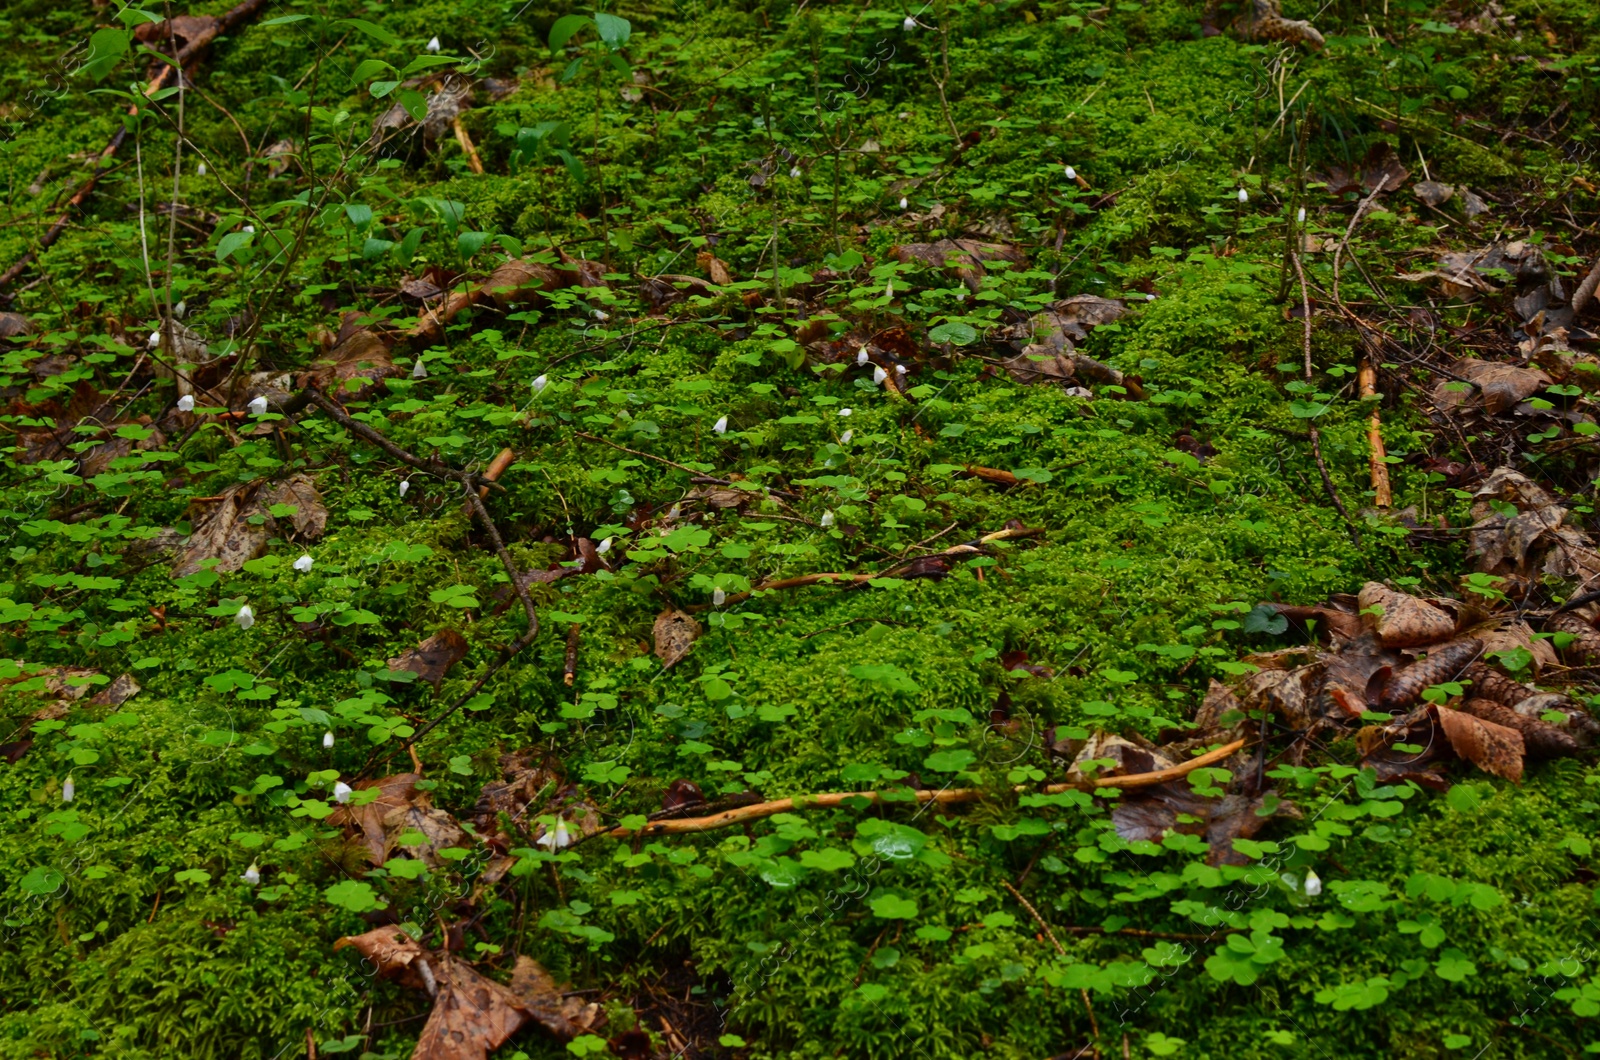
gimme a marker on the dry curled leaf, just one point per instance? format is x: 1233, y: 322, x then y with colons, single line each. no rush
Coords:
x: 675, y: 633
x: 1491, y: 386
x: 432, y: 659
x: 472, y: 1014
x: 1492, y: 748
x: 965, y: 258
x: 1541, y: 739
x: 366, y: 820
x: 1404, y: 620
x: 117, y: 692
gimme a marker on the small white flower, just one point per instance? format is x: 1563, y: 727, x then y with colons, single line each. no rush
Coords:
x: 419, y: 370
x: 795, y: 172
x: 327, y: 740
x: 252, y: 875
x: 1313, y: 884
x: 405, y: 484
x: 557, y: 837
x: 250, y: 228
x: 909, y: 24
x: 601, y: 316
x: 245, y: 618
x: 341, y: 792
x: 902, y: 202
x: 1072, y: 174
x: 540, y: 383
x: 862, y: 356
x: 888, y: 289
x: 878, y: 374
x: 846, y: 413
x: 718, y: 597
x: 1149, y: 298
x: 605, y: 546
x: 900, y: 369
x: 186, y: 403
x: 1244, y: 196
x: 180, y: 309
x: 827, y: 518
x: 844, y: 439
x: 155, y: 340
x: 68, y: 789
x: 258, y: 406
x: 303, y: 564
x: 200, y: 170
x: 1302, y: 216
x: 674, y: 514
x: 721, y: 426
x: 433, y: 46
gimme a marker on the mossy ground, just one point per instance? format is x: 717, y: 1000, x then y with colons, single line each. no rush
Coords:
x: 127, y: 930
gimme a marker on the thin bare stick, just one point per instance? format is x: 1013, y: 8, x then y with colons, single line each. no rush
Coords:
x: 1037, y: 919
x: 1316, y: 437
x: 941, y: 797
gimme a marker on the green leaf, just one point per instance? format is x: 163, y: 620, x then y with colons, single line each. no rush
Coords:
x: 954, y: 331
x: 893, y: 907
x: 377, y: 33
x: 357, y: 896
x: 565, y: 27
x: 234, y: 244
x: 106, y: 49
x: 614, y: 31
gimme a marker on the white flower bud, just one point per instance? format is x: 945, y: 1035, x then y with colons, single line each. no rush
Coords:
x: 718, y: 597
x: 303, y: 564
x: 605, y: 546
x: 540, y: 383
x: 1149, y: 298
x: 862, y: 356
x: 1313, y: 884
x: 888, y: 289
x: 909, y: 24
x: 250, y: 228
x: 341, y: 792
x: 245, y: 618
x: 1072, y: 174
x: 252, y: 875
x: 155, y: 340
x: 68, y: 789
x: 844, y: 439
x: 258, y: 406
x: 200, y: 170
x: 601, y: 316
x: 721, y: 426
x: 900, y: 369
x: 186, y: 403
x: 405, y: 484
x: 433, y: 46
x: 1244, y: 196
x: 878, y: 374
x: 846, y: 413
x: 327, y: 740
x: 419, y: 370
x: 1302, y: 216
x: 180, y: 309
x: 903, y: 202
x: 557, y: 837
x: 827, y: 518
x: 795, y: 172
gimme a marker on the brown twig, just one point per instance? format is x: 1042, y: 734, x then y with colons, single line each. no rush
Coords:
x: 1037, y: 919
x: 1367, y: 373
x: 942, y: 797
x: 187, y: 54
x: 473, y: 161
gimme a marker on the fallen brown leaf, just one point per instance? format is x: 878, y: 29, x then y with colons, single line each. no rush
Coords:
x: 675, y: 633
x: 1492, y: 748
x: 432, y: 659
x: 1404, y: 620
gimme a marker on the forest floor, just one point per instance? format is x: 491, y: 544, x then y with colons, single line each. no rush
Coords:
x: 1018, y: 529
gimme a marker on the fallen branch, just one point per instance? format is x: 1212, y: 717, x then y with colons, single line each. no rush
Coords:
x: 473, y: 161
x: 185, y: 56
x: 942, y: 797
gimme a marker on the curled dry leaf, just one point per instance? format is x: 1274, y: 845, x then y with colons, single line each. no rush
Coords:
x: 519, y: 282
x: 1537, y: 538
x: 358, y: 354
x: 1490, y: 386
x: 472, y: 1014
x: 1351, y: 674
x: 1513, y: 634
x: 526, y: 777
x: 14, y: 325
x: 1264, y: 22
x: 965, y: 258
x: 675, y: 633
x: 1412, y: 748
x: 367, y: 820
x: 432, y: 659
x: 1405, y: 620
x: 1432, y: 193
x: 117, y: 692
x: 226, y: 528
x: 1492, y: 748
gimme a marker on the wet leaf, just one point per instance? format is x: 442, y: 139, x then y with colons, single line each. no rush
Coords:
x: 675, y: 633
x: 432, y: 659
x: 1492, y: 748
x: 1403, y: 620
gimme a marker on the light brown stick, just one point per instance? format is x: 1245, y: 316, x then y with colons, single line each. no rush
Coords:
x: 1368, y: 377
x: 942, y: 797
x: 473, y: 161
